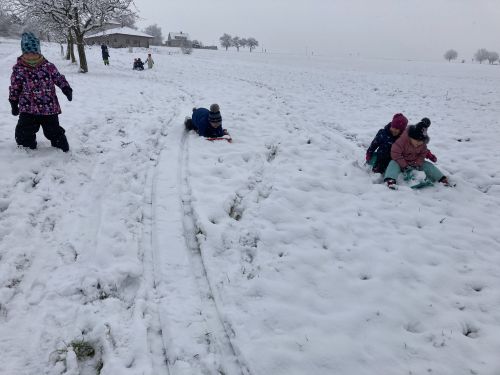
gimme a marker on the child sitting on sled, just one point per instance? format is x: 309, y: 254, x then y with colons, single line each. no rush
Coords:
x: 408, y: 153
x: 207, y: 123
x: 379, y: 153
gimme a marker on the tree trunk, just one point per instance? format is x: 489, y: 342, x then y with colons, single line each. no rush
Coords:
x: 68, y: 48
x: 81, y: 53
x: 80, y: 43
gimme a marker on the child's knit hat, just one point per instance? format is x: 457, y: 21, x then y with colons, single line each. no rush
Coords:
x: 425, y: 122
x: 399, y: 121
x: 214, y: 114
x: 417, y: 132
x: 30, y: 43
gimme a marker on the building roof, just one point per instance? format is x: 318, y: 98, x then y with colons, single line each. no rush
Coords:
x: 178, y: 35
x: 121, y: 31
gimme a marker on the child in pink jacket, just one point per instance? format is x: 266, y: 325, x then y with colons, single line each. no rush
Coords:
x: 409, y: 152
x: 32, y: 96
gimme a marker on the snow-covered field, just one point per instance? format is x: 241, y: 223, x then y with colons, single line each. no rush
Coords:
x: 146, y: 250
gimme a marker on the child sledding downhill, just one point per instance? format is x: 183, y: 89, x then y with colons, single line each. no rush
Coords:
x: 207, y: 123
x: 379, y: 153
x: 32, y: 96
x: 408, y: 153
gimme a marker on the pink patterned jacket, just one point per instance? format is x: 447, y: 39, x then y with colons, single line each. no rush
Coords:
x: 34, y: 87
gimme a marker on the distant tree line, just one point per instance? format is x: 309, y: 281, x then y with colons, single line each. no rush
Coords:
x: 227, y: 41
x: 481, y: 55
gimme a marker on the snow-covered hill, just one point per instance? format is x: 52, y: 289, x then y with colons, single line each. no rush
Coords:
x: 146, y: 250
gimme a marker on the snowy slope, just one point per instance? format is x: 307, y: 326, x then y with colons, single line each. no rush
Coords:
x: 275, y: 254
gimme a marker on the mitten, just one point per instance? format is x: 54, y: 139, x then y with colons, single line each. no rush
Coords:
x: 15, y: 107
x: 368, y: 157
x: 431, y: 156
x: 68, y: 91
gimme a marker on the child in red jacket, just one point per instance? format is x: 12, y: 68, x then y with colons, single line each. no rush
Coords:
x: 409, y: 152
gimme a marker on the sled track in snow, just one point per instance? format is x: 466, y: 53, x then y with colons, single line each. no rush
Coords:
x: 219, y: 339
x: 157, y: 342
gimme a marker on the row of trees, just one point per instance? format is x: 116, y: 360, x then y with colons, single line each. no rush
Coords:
x: 481, y: 55
x: 68, y: 20
x: 227, y: 41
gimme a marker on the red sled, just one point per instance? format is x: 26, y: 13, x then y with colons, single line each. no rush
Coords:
x: 226, y: 137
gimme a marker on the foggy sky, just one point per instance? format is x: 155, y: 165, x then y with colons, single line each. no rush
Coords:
x: 413, y: 29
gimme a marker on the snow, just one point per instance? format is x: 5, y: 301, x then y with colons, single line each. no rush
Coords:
x: 277, y: 253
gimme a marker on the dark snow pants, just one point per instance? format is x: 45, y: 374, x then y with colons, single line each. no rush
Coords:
x: 28, y: 125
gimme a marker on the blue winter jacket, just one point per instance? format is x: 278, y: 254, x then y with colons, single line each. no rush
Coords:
x: 200, y: 121
x: 382, y: 142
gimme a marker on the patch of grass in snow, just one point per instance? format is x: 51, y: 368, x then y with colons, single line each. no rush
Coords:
x: 83, y: 349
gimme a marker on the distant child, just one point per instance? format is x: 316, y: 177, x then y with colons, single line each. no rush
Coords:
x: 32, y: 96
x: 150, y: 61
x: 105, y: 54
x: 138, y: 64
x: 409, y: 152
x: 207, y: 123
x: 379, y: 152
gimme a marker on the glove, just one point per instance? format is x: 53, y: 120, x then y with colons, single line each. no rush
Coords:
x: 68, y: 91
x: 15, y: 107
x: 431, y: 156
x: 368, y: 157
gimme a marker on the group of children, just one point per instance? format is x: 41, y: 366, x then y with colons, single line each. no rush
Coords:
x: 32, y: 96
x: 396, y: 148
x: 139, y: 64
x: 400, y: 148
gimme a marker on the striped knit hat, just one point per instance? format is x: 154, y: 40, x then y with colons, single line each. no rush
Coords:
x: 214, y: 114
x: 30, y: 43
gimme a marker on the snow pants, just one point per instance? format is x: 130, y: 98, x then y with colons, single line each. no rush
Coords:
x: 28, y: 125
x: 431, y: 171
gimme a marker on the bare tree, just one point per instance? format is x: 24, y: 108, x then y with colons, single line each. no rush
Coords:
x: 225, y: 41
x: 9, y: 25
x: 236, y: 42
x: 252, y: 43
x: 128, y: 20
x: 79, y: 16
x: 451, y: 54
x: 481, y: 55
x: 492, y: 57
x: 155, y: 31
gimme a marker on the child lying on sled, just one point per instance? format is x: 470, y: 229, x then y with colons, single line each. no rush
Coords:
x: 207, y: 123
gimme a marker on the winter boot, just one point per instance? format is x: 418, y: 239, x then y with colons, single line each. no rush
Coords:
x: 391, y: 183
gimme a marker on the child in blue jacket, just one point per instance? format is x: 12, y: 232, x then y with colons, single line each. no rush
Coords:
x: 207, y: 123
x: 379, y: 152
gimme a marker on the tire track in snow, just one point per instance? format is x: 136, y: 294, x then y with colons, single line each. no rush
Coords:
x: 230, y: 361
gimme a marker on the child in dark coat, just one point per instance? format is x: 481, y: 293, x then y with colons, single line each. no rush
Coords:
x: 32, y: 96
x: 207, y: 123
x: 379, y: 152
x: 105, y: 54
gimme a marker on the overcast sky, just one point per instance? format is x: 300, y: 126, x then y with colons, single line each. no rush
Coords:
x: 422, y: 29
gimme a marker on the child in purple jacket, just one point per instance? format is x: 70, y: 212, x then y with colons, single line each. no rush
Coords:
x: 32, y: 96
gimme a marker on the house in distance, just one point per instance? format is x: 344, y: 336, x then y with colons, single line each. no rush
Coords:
x: 120, y: 37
